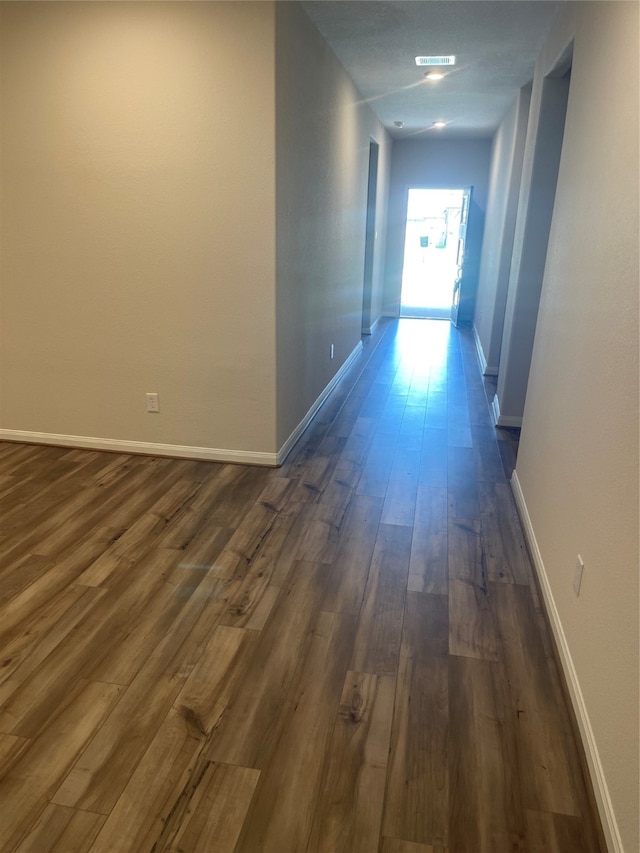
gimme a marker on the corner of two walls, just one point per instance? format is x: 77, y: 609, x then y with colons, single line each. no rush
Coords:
x: 323, y: 131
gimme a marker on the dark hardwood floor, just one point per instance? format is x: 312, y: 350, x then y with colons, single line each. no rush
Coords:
x: 344, y: 655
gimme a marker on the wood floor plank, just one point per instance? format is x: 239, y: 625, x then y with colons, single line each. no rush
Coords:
x: 267, y: 569
x: 394, y: 845
x: 90, y: 645
x: 462, y: 483
x: 251, y: 726
x: 417, y: 797
x: 246, y: 540
x: 242, y: 487
x: 503, y: 543
x: 215, y: 678
x: 139, y: 538
x: 217, y: 810
x: 62, y: 830
x: 281, y: 814
x: 377, y: 467
x: 11, y: 747
x: 486, y: 813
x: 436, y: 414
x: 488, y: 459
x: 428, y: 566
x: 472, y: 630
x: 412, y: 425
x: 38, y: 636
x: 348, y: 573
x: 123, y: 494
x: 548, y: 765
x: 319, y: 470
x: 464, y: 555
x: 433, y: 461
x: 26, y: 788
x: 102, y: 771
x: 377, y: 643
x: 358, y: 442
x: 349, y: 806
x: 150, y: 797
x: 555, y: 833
x: 400, y: 499
x: 323, y: 524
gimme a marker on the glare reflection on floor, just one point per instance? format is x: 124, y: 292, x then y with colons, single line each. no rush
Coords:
x: 421, y: 350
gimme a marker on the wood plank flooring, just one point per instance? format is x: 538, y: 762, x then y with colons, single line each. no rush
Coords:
x: 344, y: 655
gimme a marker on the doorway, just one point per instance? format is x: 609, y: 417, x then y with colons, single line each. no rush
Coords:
x: 433, y: 249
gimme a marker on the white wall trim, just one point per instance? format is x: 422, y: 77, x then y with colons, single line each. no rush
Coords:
x: 304, y: 423
x: 485, y: 369
x: 495, y: 408
x: 371, y: 329
x: 601, y: 791
x: 503, y: 420
x: 179, y: 451
x: 481, y: 358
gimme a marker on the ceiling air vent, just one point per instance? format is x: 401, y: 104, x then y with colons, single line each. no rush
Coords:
x: 435, y: 60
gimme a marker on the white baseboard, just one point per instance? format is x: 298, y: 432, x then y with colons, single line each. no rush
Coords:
x: 481, y: 359
x: 179, y: 451
x: 145, y: 448
x: 369, y: 330
x: 304, y: 423
x: 503, y: 420
x: 601, y: 791
x: 495, y: 408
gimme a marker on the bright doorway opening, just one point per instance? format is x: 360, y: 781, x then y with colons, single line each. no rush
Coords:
x: 432, y: 252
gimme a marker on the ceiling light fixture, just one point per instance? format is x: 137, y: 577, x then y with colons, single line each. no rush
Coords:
x: 432, y: 76
x: 439, y: 124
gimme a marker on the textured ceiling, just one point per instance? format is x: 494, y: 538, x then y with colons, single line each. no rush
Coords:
x: 495, y: 42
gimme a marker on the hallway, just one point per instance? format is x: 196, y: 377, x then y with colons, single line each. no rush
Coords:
x: 346, y: 654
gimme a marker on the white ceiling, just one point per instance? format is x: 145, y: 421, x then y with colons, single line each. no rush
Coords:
x: 495, y: 42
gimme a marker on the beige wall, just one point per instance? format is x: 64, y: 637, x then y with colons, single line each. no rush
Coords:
x: 497, y: 245
x: 437, y: 163
x: 138, y: 228
x: 323, y: 134
x: 578, y: 463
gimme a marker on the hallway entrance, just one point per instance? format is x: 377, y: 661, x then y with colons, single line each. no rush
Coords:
x: 433, y: 249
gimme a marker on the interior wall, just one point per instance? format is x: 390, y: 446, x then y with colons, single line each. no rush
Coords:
x: 323, y: 134
x: 497, y: 245
x: 542, y: 152
x: 578, y: 460
x: 438, y: 164
x: 138, y: 221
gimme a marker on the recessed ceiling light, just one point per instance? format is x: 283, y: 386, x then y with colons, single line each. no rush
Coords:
x: 398, y: 124
x: 435, y: 60
x: 432, y: 76
x: 439, y: 124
